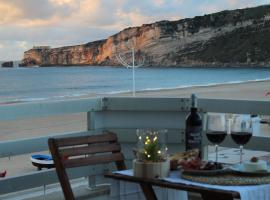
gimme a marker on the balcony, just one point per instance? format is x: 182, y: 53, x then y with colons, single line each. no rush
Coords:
x: 120, y: 115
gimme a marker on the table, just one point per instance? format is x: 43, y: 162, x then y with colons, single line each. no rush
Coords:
x: 147, y: 187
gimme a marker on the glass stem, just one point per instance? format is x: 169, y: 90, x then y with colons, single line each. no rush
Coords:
x: 216, y: 148
x: 241, y: 154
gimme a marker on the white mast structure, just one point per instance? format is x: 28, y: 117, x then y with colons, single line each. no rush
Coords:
x: 125, y: 61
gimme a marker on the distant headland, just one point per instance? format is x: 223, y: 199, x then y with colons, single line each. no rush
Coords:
x: 238, y: 37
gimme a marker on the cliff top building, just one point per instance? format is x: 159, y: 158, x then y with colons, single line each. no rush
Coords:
x: 41, y: 47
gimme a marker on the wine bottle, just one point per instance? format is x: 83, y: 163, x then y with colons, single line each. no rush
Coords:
x: 193, y: 127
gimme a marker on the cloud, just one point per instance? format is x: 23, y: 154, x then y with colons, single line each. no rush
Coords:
x: 96, y: 13
x: 218, y: 5
x: 35, y: 12
x: 232, y: 2
x: 23, y: 45
x: 159, y: 2
x: 8, y: 13
x: 25, y: 23
x: 209, y: 8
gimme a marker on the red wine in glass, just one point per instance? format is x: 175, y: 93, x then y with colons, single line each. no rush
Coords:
x: 216, y: 129
x: 241, y: 138
x: 241, y: 131
x: 216, y: 137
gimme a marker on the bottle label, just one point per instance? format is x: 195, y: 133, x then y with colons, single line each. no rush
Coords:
x: 193, y: 137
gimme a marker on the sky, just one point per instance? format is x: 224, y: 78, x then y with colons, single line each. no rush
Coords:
x: 28, y: 23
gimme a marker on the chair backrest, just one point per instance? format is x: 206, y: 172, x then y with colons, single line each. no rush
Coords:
x: 81, y: 151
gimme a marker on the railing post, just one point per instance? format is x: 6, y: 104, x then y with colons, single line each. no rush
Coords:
x: 91, y: 126
x: 44, y: 192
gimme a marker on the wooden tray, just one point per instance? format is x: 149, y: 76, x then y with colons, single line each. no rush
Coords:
x: 205, y: 172
x: 226, y: 177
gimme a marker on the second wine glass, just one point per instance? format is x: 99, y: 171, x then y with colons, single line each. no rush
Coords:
x: 241, y: 131
x: 216, y: 129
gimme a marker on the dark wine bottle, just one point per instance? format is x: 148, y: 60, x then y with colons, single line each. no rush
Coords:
x: 194, y: 127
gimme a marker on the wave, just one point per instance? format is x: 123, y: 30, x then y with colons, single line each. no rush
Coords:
x: 202, y: 85
x: 116, y: 92
x: 71, y: 95
x: 36, y: 99
x: 80, y: 95
x: 22, y: 100
x: 33, y: 99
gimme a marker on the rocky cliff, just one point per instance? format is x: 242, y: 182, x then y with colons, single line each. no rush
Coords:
x: 237, y: 37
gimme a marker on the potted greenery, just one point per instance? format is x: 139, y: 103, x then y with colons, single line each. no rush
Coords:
x: 151, y: 154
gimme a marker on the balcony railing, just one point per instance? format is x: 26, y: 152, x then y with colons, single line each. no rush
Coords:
x: 120, y: 115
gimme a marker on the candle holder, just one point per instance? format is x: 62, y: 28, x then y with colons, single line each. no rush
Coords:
x: 151, y: 154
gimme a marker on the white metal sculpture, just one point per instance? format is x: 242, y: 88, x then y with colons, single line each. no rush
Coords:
x: 135, y: 60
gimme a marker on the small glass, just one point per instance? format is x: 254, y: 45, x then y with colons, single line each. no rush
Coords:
x: 216, y: 129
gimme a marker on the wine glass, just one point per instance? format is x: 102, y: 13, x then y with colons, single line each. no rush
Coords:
x: 216, y: 129
x: 241, y: 131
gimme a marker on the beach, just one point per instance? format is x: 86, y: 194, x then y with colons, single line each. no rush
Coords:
x: 252, y: 90
x: 13, y: 130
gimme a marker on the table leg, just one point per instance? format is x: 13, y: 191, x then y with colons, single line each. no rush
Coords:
x: 216, y: 196
x: 148, y: 191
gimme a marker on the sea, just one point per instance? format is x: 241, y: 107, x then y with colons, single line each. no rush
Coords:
x: 56, y: 83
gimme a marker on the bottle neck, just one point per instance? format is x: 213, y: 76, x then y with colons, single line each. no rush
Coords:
x: 193, y: 101
x: 193, y: 109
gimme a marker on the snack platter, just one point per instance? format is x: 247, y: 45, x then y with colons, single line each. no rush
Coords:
x: 192, y: 168
x: 190, y: 164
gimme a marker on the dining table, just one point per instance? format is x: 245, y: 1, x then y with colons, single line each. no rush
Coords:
x: 207, y: 191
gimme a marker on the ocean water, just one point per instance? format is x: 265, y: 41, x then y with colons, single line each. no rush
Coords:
x: 32, y: 84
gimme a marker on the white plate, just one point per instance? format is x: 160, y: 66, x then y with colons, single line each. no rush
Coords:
x: 239, y: 169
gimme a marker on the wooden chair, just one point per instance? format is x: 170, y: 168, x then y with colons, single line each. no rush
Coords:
x: 81, y: 151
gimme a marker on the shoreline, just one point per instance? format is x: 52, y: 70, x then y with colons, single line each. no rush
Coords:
x: 250, y: 90
x: 197, y: 86
x: 148, y: 92
x: 203, y: 66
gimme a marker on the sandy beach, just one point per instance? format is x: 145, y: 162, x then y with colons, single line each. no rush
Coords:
x: 18, y: 129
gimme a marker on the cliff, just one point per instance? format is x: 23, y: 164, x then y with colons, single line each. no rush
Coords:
x: 7, y: 64
x: 237, y: 37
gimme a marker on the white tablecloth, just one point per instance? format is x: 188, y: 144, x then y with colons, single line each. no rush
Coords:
x: 256, y: 192
x: 123, y: 190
